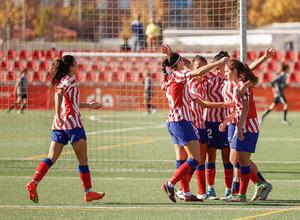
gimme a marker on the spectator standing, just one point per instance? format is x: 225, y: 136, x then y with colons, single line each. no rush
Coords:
x: 152, y: 32
x: 137, y: 29
x: 159, y: 38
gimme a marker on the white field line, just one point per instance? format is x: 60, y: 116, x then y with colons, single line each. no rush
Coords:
x: 133, y: 208
x: 93, y: 118
x: 129, y: 179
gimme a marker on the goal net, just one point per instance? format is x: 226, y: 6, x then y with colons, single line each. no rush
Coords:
x: 116, y: 43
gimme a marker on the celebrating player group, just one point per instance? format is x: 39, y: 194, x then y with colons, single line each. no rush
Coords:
x: 225, y: 89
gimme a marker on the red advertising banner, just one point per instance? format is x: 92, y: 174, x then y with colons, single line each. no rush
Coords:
x: 129, y: 98
x: 37, y: 97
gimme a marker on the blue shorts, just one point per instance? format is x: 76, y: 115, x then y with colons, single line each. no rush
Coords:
x: 182, y: 132
x: 203, y: 135
x: 216, y: 138
x: 231, y: 130
x: 63, y: 136
x: 247, y: 145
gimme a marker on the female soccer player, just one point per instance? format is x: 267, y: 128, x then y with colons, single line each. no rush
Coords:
x: 246, y: 135
x: 213, y: 84
x: 21, y: 89
x: 228, y: 92
x: 67, y: 126
x: 197, y: 105
x: 179, y: 123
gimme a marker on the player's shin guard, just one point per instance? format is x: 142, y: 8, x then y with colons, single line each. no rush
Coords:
x: 178, y: 164
x: 42, y: 169
x: 85, y: 176
x: 228, y: 175
x: 210, y: 173
x: 200, y: 177
x: 245, y: 176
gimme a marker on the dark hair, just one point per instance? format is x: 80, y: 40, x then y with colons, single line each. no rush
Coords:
x: 198, y: 57
x: 24, y: 70
x: 243, y: 69
x: 164, y: 64
x: 284, y: 67
x: 220, y: 55
x: 60, y: 68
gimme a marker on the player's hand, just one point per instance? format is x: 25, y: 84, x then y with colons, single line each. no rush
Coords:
x: 95, y: 105
x: 60, y: 122
x: 269, y: 52
x: 166, y: 49
x: 240, y: 134
x: 223, y: 61
x: 222, y: 126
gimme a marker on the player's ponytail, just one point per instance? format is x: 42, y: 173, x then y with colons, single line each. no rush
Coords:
x: 249, y: 75
x: 165, y: 64
x: 60, y: 68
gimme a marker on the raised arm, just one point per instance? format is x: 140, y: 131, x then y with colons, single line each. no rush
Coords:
x: 269, y: 52
x: 167, y: 50
x: 205, y: 69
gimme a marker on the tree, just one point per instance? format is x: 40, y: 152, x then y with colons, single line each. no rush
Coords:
x: 264, y: 12
x: 10, y: 14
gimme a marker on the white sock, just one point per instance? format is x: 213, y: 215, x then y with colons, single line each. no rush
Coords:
x: 211, y: 187
x: 170, y: 185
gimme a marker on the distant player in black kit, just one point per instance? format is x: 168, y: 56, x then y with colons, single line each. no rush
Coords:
x: 278, y: 86
x: 148, y: 93
x: 21, y: 89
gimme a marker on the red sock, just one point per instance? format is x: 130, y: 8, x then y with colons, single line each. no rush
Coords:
x: 200, y: 177
x: 228, y: 177
x: 183, y: 170
x: 210, y: 176
x: 186, y: 183
x: 244, y: 181
x: 181, y: 185
x: 86, y: 180
x: 41, y: 171
x: 253, y: 177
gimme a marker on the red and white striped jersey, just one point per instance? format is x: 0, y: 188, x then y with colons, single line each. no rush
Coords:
x: 229, y: 94
x: 70, y: 105
x: 197, y: 90
x: 251, y: 123
x: 179, y: 96
x: 213, y: 84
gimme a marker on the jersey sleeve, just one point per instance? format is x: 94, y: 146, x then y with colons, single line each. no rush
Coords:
x: 193, y: 87
x: 66, y: 84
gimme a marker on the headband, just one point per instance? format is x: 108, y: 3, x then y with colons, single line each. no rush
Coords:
x: 230, y: 66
